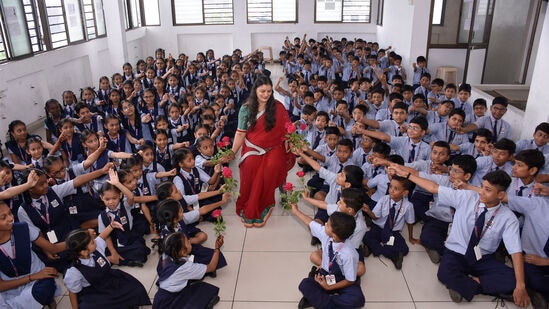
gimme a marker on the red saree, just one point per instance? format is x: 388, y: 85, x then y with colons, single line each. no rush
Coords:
x: 264, y: 167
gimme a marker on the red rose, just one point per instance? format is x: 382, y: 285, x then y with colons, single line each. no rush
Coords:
x: 227, y: 173
x: 219, y: 144
x: 288, y: 186
x: 300, y: 174
x: 226, y: 141
x: 302, y: 127
x: 291, y: 128
x: 216, y: 213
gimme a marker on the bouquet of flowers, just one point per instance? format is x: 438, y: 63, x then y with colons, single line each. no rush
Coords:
x: 295, y: 139
x: 231, y: 184
x: 223, y: 150
x: 290, y: 194
x: 219, y: 224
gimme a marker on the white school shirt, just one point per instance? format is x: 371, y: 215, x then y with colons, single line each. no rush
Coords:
x: 179, y: 279
x: 439, y: 211
x: 360, y: 157
x: 381, y: 183
x: 504, y: 226
x: 335, y: 189
x: 486, y: 165
x: 516, y: 184
x: 391, y: 127
x: 74, y: 280
x: 503, y: 127
x: 101, y: 226
x: 404, y: 212
x: 347, y: 257
x: 402, y: 145
x: 535, y: 231
x: 530, y: 144
x: 369, y: 169
x: 360, y: 229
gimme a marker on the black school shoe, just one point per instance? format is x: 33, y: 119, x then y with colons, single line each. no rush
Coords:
x: 313, y: 272
x: 304, y: 303
x: 315, y: 241
x: 213, y: 302
x: 134, y: 264
x: 397, y: 260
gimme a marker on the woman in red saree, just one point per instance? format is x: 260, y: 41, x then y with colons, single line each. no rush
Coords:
x: 264, y: 161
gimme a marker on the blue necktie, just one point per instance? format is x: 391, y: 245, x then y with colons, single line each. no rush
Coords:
x: 519, y: 193
x: 476, y: 235
x: 389, y: 224
x: 317, y: 140
x: 495, y: 135
x: 412, y: 154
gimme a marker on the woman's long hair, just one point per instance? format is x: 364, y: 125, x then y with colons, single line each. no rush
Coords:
x: 270, y: 109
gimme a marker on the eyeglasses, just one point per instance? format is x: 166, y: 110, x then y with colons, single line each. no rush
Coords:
x: 455, y: 171
x: 499, y: 109
x: 414, y: 128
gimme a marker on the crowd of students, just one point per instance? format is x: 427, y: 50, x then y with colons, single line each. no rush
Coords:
x: 135, y: 157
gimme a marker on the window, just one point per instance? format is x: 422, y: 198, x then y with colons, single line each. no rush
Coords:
x: 32, y: 26
x: 202, y: 12
x: 438, y: 12
x: 151, y: 13
x: 132, y: 10
x: 379, y: 17
x: 342, y: 11
x: 272, y: 11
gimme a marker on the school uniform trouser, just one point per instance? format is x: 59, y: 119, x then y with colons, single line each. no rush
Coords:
x: 421, y: 201
x: 372, y: 239
x: 322, y: 215
x: 349, y: 297
x: 495, y: 277
x: 537, y: 278
x: 433, y: 234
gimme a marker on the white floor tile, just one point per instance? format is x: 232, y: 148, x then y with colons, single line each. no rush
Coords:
x: 271, y: 276
x: 227, y: 276
x: 383, y: 283
x: 281, y: 233
x: 264, y: 305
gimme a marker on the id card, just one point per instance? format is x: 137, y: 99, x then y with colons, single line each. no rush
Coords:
x: 391, y: 241
x: 123, y: 220
x: 52, y: 237
x: 101, y: 262
x: 73, y: 210
x: 54, y: 203
x: 330, y: 279
x: 478, y: 254
x: 190, y: 258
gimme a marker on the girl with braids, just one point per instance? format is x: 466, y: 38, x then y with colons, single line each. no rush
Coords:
x: 175, y: 270
x: 261, y: 134
x: 91, y: 281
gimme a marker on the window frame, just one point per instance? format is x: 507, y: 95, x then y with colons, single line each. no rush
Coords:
x: 272, y: 22
x: 379, y: 16
x: 203, y: 23
x: 442, y: 14
x: 342, y: 15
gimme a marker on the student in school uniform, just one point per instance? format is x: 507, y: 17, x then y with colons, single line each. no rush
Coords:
x: 396, y: 126
x: 535, y: 242
x: 494, y: 122
x: 449, y: 131
x: 176, y: 268
x: 462, y: 99
x: 24, y: 280
x: 411, y: 148
x: 335, y: 285
x: 527, y: 165
x: 501, y: 159
x: 91, y: 281
x: 389, y: 216
x: 540, y: 140
x: 481, y: 146
x: 468, y: 266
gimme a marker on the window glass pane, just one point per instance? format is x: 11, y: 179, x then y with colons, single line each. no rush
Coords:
x: 438, y: 6
x: 284, y: 11
x: 356, y: 11
x: 152, y: 13
x: 218, y: 12
x: 188, y: 12
x: 328, y: 10
x: 3, y: 55
x: 260, y: 11
x: 18, y: 36
x: 135, y: 13
x: 99, y: 17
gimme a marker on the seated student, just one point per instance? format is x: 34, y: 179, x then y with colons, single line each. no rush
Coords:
x: 420, y: 67
x: 468, y: 266
x: 359, y: 113
x: 308, y: 115
x: 342, y: 119
x: 407, y: 95
x: 494, y: 122
x: 462, y: 99
x: 375, y: 103
x: 91, y: 281
x: 335, y: 285
x: 172, y: 219
x: 10, y: 192
x: 378, y: 185
x: 450, y: 132
x: 387, y: 113
x: 350, y: 202
x: 315, y: 136
x: 481, y: 146
x: 450, y: 91
x: 71, y: 146
x: 540, y: 140
x: 126, y: 246
x: 352, y: 94
x: 438, y: 218
x: 334, y: 164
x: 291, y: 101
x: 440, y: 115
x: 371, y: 169
x: 501, y: 159
x: 24, y: 280
x: 411, y: 148
x: 418, y: 107
x: 325, y: 150
x: 535, y: 242
x: 361, y: 154
x: 396, y: 126
x: 527, y: 165
x: 435, y: 96
x: 479, y: 110
x: 424, y: 84
x: 175, y: 270
x: 389, y: 215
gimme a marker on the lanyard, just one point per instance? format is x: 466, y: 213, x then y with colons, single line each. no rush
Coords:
x: 12, y: 241
x: 487, y: 225
x: 188, y: 181
x: 47, y: 218
x: 500, y: 125
x: 392, y: 220
x: 418, y: 148
x: 335, y: 255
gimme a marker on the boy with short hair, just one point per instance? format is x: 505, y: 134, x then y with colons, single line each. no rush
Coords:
x: 389, y: 215
x: 501, y: 159
x: 481, y: 146
x: 419, y: 69
x: 335, y: 284
x: 418, y: 107
x: 540, y: 140
x: 494, y: 122
x: 375, y: 103
x: 435, y: 96
x: 449, y: 131
x: 315, y: 137
x: 468, y: 266
x: 462, y: 99
x: 396, y: 126
x: 527, y: 165
x: 441, y: 113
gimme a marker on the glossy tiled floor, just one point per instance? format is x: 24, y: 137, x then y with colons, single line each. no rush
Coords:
x: 266, y: 265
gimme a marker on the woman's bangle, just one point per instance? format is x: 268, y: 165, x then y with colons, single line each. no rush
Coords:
x: 112, y: 227
x: 30, y: 279
x: 408, y: 176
